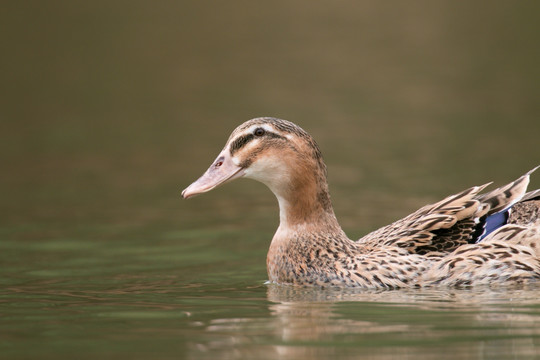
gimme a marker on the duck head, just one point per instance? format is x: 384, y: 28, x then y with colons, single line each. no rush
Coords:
x: 280, y: 155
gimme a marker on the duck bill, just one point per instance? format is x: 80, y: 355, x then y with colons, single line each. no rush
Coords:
x: 222, y: 170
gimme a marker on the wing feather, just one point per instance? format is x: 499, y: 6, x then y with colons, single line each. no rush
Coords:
x: 454, y: 221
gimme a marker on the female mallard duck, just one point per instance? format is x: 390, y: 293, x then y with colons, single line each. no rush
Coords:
x: 468, y: 238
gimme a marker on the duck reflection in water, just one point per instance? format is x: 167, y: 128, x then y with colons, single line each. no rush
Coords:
x: 314, y: 323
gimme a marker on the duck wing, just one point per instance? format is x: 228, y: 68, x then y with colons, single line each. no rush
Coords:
x: 463, y: 218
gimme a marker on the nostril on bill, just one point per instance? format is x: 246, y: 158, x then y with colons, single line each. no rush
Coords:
x: 219, y: 162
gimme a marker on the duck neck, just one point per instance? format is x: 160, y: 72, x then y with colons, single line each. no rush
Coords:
x: 305, y: 204
x: 307, y: 226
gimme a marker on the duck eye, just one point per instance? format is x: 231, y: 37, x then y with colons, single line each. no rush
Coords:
x: 259, y: 132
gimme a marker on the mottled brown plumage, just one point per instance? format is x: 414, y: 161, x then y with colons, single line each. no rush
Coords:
x: 445, y: 243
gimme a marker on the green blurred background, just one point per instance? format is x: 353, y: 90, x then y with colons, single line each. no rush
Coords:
x: 110, y: 108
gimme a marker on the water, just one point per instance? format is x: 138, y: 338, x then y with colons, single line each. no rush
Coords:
x: 87, y: 300
x: 84, y: 300
x: 110, y: 111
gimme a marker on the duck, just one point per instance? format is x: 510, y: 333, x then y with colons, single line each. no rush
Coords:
x: 467, y: 239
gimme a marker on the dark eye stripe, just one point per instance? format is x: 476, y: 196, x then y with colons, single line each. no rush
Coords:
x: 241, y: 141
